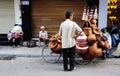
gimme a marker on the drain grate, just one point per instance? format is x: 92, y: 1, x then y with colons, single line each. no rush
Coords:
x: 7, y: 57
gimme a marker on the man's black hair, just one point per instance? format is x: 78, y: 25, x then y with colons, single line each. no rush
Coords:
x: 68, y: 14
x: 16, y: 25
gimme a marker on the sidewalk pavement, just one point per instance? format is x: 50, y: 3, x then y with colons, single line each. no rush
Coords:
x: 22, y: 51
x: 25, y: 51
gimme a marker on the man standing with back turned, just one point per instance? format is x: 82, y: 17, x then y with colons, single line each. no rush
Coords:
x: 67, y: 31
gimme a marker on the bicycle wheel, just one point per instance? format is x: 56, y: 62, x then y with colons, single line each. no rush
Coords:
x: 79, y: 60
x: 49, y: 56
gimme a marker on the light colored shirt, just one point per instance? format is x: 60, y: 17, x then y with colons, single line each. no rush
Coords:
x: 67, y: 30
x: 106, y: 34
x: 43, y: 34
x: 9, y: 35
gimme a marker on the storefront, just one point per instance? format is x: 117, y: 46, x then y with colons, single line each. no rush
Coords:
x: 34, y: 13
x: 51, y: 13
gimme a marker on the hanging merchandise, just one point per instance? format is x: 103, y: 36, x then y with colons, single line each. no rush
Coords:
x: 85, y: 14
x: 112, y: 10
x: 90, y: 12
x: 96, y: 42
x: 96, y: 13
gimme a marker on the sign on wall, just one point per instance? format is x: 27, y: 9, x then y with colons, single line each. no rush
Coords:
x: 25, y: 2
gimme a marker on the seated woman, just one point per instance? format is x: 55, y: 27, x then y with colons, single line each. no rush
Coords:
x: 16, y: 35
x: 43, y: 35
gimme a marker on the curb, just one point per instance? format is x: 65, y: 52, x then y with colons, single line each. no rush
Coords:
x: 21, y: 55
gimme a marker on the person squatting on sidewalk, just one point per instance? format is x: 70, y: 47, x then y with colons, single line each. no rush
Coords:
x: 15, y: 35
x: 67, y: 31
x: 43, y: 35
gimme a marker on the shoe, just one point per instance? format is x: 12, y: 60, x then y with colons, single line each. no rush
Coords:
x: 66, y: 69
x: 18, y: 46
x: 72, y: 69
x: 13, y: 46
x: 40, y: 45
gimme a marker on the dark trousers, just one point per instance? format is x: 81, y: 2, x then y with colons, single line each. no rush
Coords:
x: 46, y: 41
x: 68, y: 58
x: 17, y: 41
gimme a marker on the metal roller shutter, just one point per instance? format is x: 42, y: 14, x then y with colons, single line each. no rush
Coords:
x: 50, y: 13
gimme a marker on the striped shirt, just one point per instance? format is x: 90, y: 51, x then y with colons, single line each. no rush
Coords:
x: 67, y: 30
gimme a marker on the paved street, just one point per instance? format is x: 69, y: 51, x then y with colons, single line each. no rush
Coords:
x: 28, y: 62
x: 29, y: 66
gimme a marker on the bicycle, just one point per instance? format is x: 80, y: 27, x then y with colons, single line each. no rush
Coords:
x: 51, y: 57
